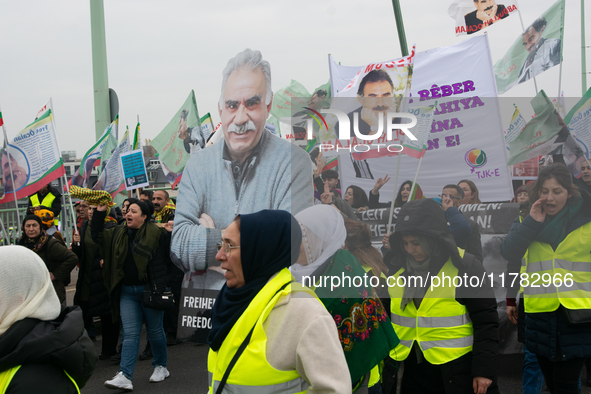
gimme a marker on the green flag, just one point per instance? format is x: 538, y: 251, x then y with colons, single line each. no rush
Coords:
x: 174, y: 142
x: 545, y: 134
x: 536, y: 50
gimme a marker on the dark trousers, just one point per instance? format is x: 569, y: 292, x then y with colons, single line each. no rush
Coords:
x: 562, y: 377
x: 110, y: 333
x: 171, y: 317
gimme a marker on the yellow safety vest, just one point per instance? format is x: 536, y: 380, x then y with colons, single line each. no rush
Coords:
x: 441, y: 326
x: 6, y: 378
x: 572, y: 256
x: 47, y: 201
x: 252, y: 373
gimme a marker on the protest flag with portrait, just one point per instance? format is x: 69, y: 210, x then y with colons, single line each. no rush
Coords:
x: 545, y: 134
x: 472, y: 16
x: 92, y: 158
x: 180, y: 137
x: 33, y: 157
x: 111, y: 179
x: 536, y: 50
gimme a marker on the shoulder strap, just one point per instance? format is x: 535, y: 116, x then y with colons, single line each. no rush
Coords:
x: 240, y: 350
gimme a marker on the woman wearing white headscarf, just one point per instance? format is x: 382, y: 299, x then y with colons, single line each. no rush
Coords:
x: 365, y: 330
x: 42, y: 349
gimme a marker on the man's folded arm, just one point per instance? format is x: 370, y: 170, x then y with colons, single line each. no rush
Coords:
x: 192, y: 245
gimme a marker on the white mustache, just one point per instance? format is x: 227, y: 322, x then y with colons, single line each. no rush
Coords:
x: 241, y: 129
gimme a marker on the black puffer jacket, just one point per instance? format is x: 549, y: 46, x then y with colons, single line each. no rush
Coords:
x: 549, y: 334
x: 427, y: 218
x: 45, y: 349
x: 90, y: 287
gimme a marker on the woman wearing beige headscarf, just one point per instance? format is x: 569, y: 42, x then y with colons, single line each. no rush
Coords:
x: 42, y: 348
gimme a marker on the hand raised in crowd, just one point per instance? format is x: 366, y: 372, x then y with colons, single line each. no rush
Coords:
x: 102, y: 207
x: 327, y: 196
x: 386, y: 241
x: 447, y: 202
x: 102, y: 262
x: 205, y: 220
x: 76, y: 238
x: 169, y: 224
x: 537, y: 211
x: 480, y: 384
x: 512, y: 314
x: 379, y: 183
x: 51, y: 276
x: 320, y: 163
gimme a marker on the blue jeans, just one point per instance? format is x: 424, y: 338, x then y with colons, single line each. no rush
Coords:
x: 533, y: 379
x: 133, y: 313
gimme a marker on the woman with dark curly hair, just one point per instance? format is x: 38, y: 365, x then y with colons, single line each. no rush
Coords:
x: 556, y: 235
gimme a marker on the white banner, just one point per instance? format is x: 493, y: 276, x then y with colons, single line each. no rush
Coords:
x: 466, y: 139
x: 473, y: 16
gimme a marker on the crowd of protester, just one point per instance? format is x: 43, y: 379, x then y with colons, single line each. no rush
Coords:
x: 280, y: 323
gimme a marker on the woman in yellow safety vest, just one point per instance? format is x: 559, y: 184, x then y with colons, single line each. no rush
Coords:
x: 557, y: 281
x: 270, y: 334
x: 442, y: 307
x: 43, y: 349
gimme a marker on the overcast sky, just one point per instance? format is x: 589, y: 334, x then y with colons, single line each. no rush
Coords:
x: 157, y: 51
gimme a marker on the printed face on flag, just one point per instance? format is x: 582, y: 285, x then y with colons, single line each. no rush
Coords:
x: 474, y: 15
x: 535, y: 51
x: 19, y: 173
x: 243, y: 112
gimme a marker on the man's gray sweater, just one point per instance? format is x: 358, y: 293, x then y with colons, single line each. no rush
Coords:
x: 278, y: 177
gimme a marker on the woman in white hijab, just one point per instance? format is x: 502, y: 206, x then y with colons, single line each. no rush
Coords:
x: 42, y: 348
x: 365, y: 331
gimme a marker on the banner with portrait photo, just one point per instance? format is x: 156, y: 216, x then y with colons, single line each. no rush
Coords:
x: 180, y: 137
x: 533, y: 52
x: 35, y: 159
x: 466, y: 137
x: 472, y: 16
x: 578, y: 121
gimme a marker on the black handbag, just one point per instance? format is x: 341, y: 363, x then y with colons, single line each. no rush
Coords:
x: 161, y: 300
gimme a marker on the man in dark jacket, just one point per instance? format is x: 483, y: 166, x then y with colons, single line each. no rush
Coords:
x: 91, y: 293
x: 423, y: 218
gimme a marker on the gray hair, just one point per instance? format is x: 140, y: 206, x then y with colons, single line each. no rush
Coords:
x: 251, y: 59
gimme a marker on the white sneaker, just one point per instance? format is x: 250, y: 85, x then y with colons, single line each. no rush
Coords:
x: 119, y: 382
x: 160, y: 373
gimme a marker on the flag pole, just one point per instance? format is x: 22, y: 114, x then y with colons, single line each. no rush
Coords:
x: 74, y: 227
x: 4, y: 232
x: 412, y: 188
x: 523, y: 31
x: 18, y: 216
x: 562, y: 44
x: 400, y: 27
x: 394, y: 194
x: 583, y: 49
